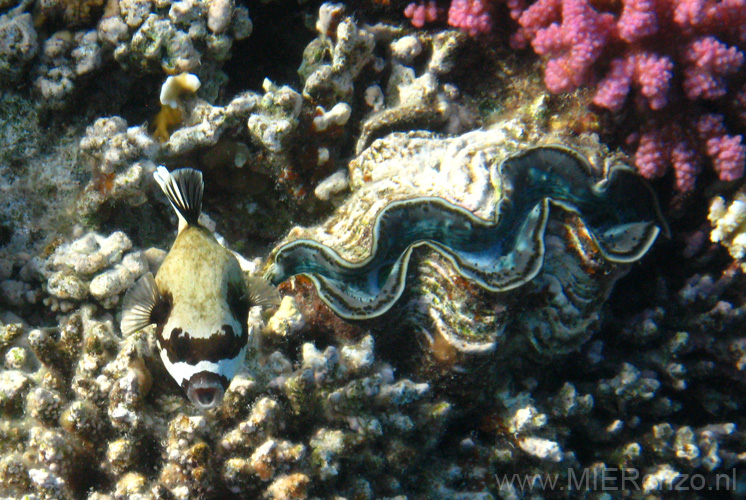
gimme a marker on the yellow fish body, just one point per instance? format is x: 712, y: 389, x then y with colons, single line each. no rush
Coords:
x: 199, y: 300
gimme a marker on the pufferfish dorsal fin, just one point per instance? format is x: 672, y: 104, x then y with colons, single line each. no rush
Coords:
x: 262, y: 293
x: 141, y: 305
x: 183, y: 188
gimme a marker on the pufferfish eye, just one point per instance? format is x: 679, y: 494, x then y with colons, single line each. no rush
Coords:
x: 162, y: 309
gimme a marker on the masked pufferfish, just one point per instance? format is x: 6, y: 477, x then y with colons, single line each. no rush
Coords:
x: 199, y: 299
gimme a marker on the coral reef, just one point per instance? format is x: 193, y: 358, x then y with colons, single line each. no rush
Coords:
x: 672, y: 64
x: 422, y: 12
x: 93, y: 267
x: 65, y: 58
x: 400, y: 94
x: 472, y: 16
x: 313, y: 422
x: 295, y: 137
x: 76, y: 39
x: 78, y: 386
x: 39, y: 176
x: 560, y: 388
x: 120, y: 160
x: 18, y: 46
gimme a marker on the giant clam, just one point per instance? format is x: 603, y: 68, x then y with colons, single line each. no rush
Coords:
x: 490, y: 239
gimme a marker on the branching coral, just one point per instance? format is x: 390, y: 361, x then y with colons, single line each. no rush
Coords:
x: 76, y: 38
x: 729, y: 225
x: 91, y: 419
x: 472, y: 16
x: 92, y: 266
x: 120, y: 160
x: 666, y: 56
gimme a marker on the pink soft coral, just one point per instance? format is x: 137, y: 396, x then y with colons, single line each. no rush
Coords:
x: 472, y: 16
x: 661, y: 61
x: 660, y: 146
x: 727, y: 152
x: 663, y: 31
x: 637, y: 21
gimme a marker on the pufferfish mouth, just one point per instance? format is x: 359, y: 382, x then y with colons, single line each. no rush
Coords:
x: 206, y: 389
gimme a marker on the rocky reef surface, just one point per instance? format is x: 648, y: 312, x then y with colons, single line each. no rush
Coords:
x: 600, y: 377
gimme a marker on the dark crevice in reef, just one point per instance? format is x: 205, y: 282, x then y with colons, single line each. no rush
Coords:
x: 274, y: 49
x: 146, y: 225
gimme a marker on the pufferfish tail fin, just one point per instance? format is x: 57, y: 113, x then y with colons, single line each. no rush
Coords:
x: 183, y: 188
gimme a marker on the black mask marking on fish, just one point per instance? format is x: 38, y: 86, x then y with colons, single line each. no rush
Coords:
x: 181, y: 347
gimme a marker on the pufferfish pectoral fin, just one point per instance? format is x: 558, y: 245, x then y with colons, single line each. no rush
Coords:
x: 183, y: 188
x: 262, y: 293
x: 142, y: 306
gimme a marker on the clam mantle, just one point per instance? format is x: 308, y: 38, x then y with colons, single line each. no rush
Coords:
x: 446, y: 226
